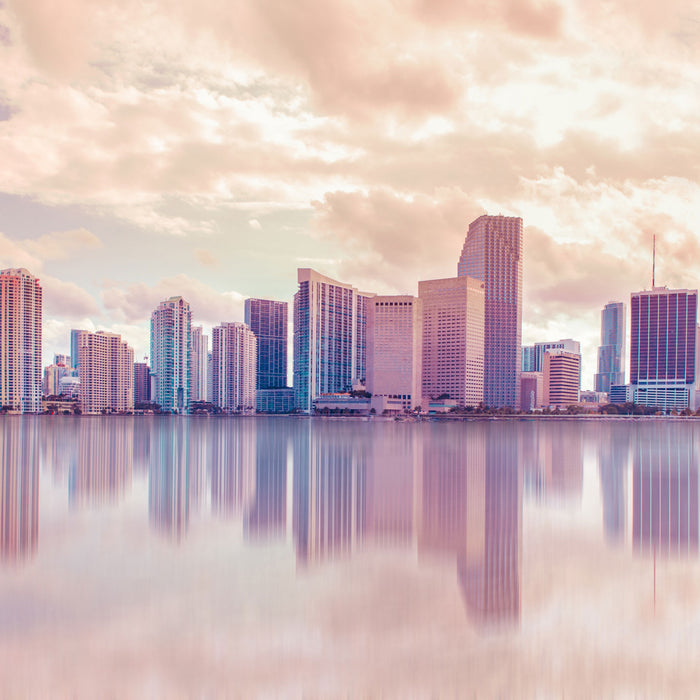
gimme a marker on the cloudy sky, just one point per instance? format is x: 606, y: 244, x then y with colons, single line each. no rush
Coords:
x: 210, y: 147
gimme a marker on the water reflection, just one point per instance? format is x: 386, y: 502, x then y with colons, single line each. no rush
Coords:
x: 613, y: 464
x: 19, y: 481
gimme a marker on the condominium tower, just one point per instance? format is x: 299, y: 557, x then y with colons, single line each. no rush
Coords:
x: 493, y: 254
x: 453, y: 339
x: 171, y: 345
x: 328, y: 337
x: 268, y: 321
x: 198, y: 364
x: 234, y: 362
x: 663, y: 345
x: 394, y: 348
x: 20, y: 341
x: 106, y: 373
x: 611, y: 353
x: 142, y: 382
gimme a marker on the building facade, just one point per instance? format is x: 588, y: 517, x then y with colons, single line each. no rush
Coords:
x: 171, y: 346
x: 76, y: 336
x: 328, y: 337
x: 611, y: 353
x: 20, y: 341
x: 663, y: 348
x: 561, y: 378
x: 106, y: 374
x: 198, y: 364
x: 453, y: 339
x: 493, y: 254
x: 268, y: 321
x: 142, y: 382
x: 394, y: 348
x: 539, y: 349
x: 234, y: 367
x: 531, y: 390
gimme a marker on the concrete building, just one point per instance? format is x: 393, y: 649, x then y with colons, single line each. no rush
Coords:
x: 76, y: 336
x: 106, y: 373
x: 20, y: 341
x: 234, y: 366
x: 198, y: 364
x: 527, y: 358
x: 531, y: 390
x: 142, y: 382
x: 611, y: 353
x: 52, y: 377
x: 328, y: 337
x: 268, y: 321
x: 493, y: 254
x: 394, y: 348
x: 171, y: 345
x: 539, y: 349
x: 453, y: 339
x: 663, y: 348
x: 274, y: 400
x: 562, y: 378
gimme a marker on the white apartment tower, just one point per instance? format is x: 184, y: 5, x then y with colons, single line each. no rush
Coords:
x: 394, y: 348
x: 234, y: 367
x: 453, y: 339
x: 20, y: 341
x: 198, y: 364
x: 106, y: 373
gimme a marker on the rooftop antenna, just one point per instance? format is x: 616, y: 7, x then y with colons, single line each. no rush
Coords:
x: 653, y: 263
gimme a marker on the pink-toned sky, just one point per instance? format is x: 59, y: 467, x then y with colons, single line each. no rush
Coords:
x: 209, y: 148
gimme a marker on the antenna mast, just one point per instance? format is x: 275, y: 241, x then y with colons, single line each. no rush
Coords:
x: 653, y: 264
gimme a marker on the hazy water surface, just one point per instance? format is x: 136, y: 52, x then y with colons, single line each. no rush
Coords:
x: 195, y: 557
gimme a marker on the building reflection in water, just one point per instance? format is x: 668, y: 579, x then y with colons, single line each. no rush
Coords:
x: 102, y: 471
x: 665, y: 491
x: 328, y: 490
x: 266, y: 518
x: 19, y: 482
x: 168, y: 477
x: 613, y: 440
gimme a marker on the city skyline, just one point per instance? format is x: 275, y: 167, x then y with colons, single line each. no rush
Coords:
x: 159, y: 151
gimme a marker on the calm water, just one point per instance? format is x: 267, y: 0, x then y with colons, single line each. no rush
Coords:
x: 176, y: 557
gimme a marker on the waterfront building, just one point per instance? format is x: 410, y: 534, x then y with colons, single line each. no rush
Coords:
x: 274, y: 400
x: 539, y: 349
x: 531, y: 390
x: 394, y: 348
x: 268, y: 321
x: 562, y: 378
x: 493, y: 254
x: 611, y: 353
x: 328, y: 332
x: 20, y: 341
x: 76, y: 336
x: 663, y: 348
x: 453, y: 339
x: 234, y: 366
x: 52, y: 377
x: 142, y: 382
x: 106, y: 373
x: 171, y: 345
x: 69, y: 386
x: 198, y: 364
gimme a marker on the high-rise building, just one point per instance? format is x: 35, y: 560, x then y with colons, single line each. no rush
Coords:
x: 453, y: 339
x: 527, y: 358
x: 562, y: 378
x: 539, y: 349
x: 106, y: 373
x: 142, y: 382
x: 234, y: 362
x: 52, y: 378
x: 328, y: 337
x: 171, y: 345
x: 268, y: 321
x: 198, y: 364
x: 20, y: 341
x: 493, y: 254
x: 63, y: 361
x: 394, y: 348
x: 611, y: 353
x: 663, y: 346
x: 76, y: 336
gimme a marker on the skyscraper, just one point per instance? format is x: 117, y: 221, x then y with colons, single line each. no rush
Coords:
x: 493, y: 254
x: 453, y: 339
x: 394, y: 348
x: 611, y: 353
x: 76, y: 336
x: 663, y: 344
x: 106, y: 373
x: 562, y: 378
x: 268, y: 321
x: 142, y: 382
x: 20, y: 341
x: 171, y: 345
x: 198, y: 364
x: 328, y: 352
x: 234, y: 362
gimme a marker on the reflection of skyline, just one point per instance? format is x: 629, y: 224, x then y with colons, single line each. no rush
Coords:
x: 19, y: 482
x: 613, y: 461
x: 665, y: 491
